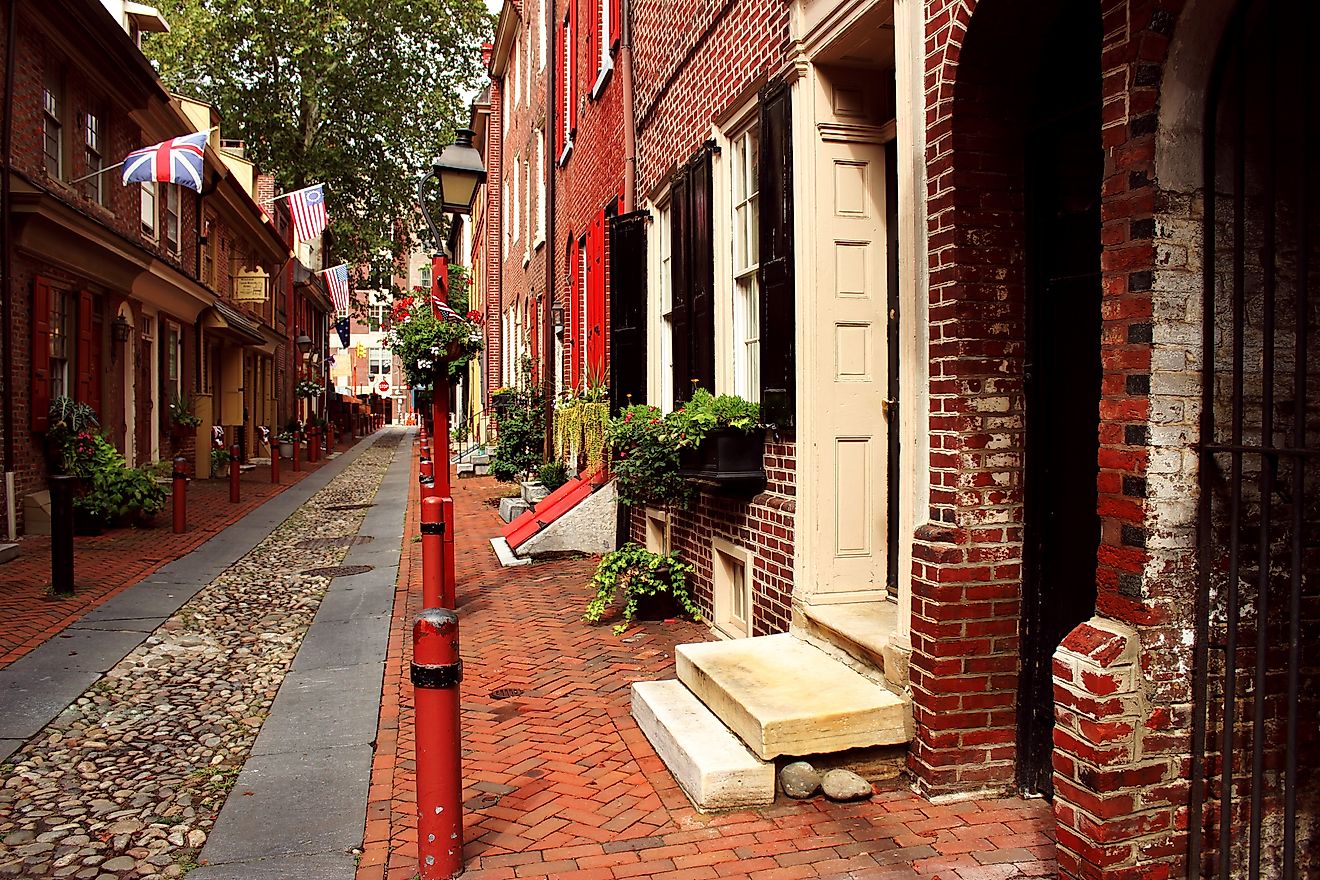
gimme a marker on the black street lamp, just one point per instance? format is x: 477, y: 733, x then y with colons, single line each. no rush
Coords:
x: 460, y: 172
x: 304, y: 343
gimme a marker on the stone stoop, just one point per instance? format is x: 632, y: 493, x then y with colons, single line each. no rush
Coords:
x: 858, y: 634
x: 712, y: 766
x: 784, y: 696
x: 8, y: 552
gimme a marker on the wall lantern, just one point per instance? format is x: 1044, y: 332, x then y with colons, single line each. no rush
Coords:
x: 120, y: 329
x: 304, y: 343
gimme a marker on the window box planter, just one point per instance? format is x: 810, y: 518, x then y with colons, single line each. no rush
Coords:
x: 727, y: 461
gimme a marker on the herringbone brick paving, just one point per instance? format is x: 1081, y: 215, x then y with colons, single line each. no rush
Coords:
x: 561, y: 783
x: 111, y: 562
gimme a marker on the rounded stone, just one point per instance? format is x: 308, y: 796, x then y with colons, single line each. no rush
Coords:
x: 799, y: 780
x: 845, y: 785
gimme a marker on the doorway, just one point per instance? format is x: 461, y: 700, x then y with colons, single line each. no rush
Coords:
x: 1063, y: 169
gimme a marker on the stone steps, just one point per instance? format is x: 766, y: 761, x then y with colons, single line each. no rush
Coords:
x: 712, y: 766
x: 783, y: 696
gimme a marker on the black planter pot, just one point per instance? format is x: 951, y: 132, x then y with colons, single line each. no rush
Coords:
x: 727, y: 461
x: 661, y: 606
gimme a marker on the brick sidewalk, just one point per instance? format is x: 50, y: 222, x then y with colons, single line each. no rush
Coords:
x: 108, y: 563
x: 561, y: 783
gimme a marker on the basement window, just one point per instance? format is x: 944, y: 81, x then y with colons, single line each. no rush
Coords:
x: 657, y: 530
x: 732, y: 571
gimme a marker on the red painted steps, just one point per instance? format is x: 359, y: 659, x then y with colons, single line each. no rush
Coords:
x: 551, y: 508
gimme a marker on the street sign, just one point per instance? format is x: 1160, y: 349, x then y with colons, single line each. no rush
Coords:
x: 383, y: 386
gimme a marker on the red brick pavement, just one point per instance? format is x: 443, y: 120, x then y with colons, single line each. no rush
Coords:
x: 561, y: 783
x: 108, y: 563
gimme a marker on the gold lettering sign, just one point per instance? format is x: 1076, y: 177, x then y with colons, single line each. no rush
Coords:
x: 250, y: 287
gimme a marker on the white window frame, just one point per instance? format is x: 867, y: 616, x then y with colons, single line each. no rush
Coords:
x: 150, y: 222
x: 63, y: 318
x: 539, y: 239
x: 566, y: 91
x: 170, y: 221
x: 658, y: 530
x: 52, y: 122
x: 660, y: 303
x: 603, y: 47
x: 727, y: 561
x: 94, y: 156
x: 580, y: 331
x: 517, y: 212
x: 542, y: 36
x: 745, y: 305
x: 527, y: 200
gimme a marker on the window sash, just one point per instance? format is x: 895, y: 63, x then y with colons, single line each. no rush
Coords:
x: 171, y: 218
x: 93, y: 187
x: 52, y: 127
x: 149, y: 209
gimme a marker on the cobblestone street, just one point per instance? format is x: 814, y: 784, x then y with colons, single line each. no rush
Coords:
x: 127, y: 781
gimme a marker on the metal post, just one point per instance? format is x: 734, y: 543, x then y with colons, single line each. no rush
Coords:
x: 427, y: 468
x: 180, y: 495
x: 234, y: 496
x: 427, y: 486
x: 297, y: 466
x: 436, y: 673
x: 433, y: 561
x: 61, y: 534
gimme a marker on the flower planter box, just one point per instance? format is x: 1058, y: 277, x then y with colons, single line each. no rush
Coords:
x: 727, y: 461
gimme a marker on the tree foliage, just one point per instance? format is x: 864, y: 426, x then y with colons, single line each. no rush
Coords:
x: 356, y: 94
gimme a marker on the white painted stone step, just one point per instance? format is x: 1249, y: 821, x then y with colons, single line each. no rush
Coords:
x: 783, y: 696
x: 713, y: 767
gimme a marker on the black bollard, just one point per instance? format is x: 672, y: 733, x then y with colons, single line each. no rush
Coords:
x: 61, y: 534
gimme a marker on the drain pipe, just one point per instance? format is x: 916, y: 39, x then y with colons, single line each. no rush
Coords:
x: 547, y: 314
x: 6, y: 278
x: 629, y: 111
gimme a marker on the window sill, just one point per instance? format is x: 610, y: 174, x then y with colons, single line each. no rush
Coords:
x: 539, y: 243
x: 568, y: 151
x: 602, y: 80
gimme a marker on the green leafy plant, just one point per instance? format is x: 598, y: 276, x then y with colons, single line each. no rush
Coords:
x: 309, y: 388
x: 520, y: 428
x: 645, y: 459
x: 704, y: 412
x: 220, y: 458
x: 638, y: 572
x: 70, y: 436
x: 113, y: 491
x: 580, y: 427
x: 181, y: 412
x: 552, y: 475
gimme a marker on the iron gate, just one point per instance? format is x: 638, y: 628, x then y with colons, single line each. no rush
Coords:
x: 1253, y: 809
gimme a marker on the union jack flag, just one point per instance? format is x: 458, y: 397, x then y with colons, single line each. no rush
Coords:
x: 177, y: 160
x: 336, y: 279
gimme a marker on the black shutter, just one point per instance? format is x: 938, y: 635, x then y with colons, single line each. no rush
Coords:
x: 702, y: 270
x: 679, y: 260
x: 775, y: 182
x: 628, y: 309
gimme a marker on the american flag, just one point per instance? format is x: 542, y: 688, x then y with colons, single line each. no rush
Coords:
x: 308, y: 209
x: 442, y: 311
x: 177, y: 160
x: 336, y: 279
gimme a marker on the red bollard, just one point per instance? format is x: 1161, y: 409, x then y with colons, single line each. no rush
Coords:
x: 436, y: 673
x: 313, y: 445
x: 421, y: 433
x: 433, y: 560
x: 449, y: 576
x: 426, y: 468
x: 330, y: 438
x: 274, y: 461
x: 233, y: 474
x: 180, y: 495
x: 296, y: 465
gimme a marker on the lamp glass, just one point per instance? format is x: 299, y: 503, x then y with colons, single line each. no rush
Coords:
x: 304, y: 343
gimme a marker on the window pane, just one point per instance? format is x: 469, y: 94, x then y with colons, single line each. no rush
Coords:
x: 149, y: 209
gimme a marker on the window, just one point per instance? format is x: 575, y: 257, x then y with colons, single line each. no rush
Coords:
x: 517, y: 73
x: 424, y: 278
x: 208, y: 252
x: 171, y: 218
x: 601, y: 62
x: 61, y: 349
x: 692, y: 312
x: 517, y: 214
x: 93, y: 187
x: 52, y: 124
x: 541, y: 26
x: 745, y: 220
x: 540, y: 187
x: 171, y: 354
x: 376, y: 312
x: 149, y: 210
x: 580, y: 330
x: 504, y: 213
x: 567, y: 119
x: 527, y: 202
x: 664, y: 285
x: 381, y: 361
x: 733, y: 588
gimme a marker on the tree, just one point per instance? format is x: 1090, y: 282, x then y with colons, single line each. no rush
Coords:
x: 355, y: 94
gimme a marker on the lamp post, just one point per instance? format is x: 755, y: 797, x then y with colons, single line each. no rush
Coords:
x: 459, y: 171
x: 304, y: 344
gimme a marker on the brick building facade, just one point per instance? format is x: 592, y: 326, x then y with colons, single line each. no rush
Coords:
x: 1043, y: 467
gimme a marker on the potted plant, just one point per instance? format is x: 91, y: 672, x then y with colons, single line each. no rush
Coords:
x: 285, y: 441
x: 219, y: 460
x: 645, y: 459
x: 309, y: 388
x: 721, y: 442
x: 424, y: 343
x: 182, y: 419
x: 654, y: 586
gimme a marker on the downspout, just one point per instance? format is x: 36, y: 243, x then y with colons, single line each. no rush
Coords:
x: 547, y: 314
x: 6, y: 294
x: 629, y: 111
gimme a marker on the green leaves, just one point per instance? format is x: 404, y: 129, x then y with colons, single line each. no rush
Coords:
x: 356, y: 94
x: 638, y: 572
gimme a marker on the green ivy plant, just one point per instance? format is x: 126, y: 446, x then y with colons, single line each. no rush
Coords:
x: 552, y: 475
x: 638, y: 572
x: 645, y: 459
x: 704, y: 412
